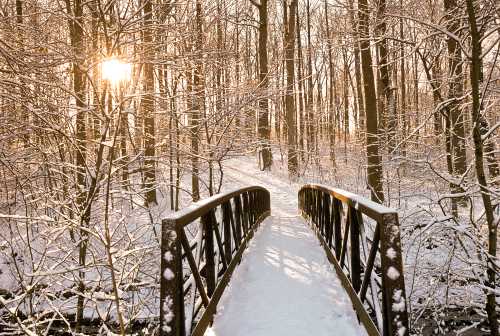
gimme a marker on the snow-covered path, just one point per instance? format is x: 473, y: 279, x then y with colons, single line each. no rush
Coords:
x: 285, y: 285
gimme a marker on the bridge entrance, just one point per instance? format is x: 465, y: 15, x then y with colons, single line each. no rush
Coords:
x: 285, y: 283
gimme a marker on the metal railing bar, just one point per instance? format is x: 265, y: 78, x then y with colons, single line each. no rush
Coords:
x: 194, y: 270
x: 220, y: 246
x: 368, y: 207
x: 344, y: 241
x: 367, y: 279
x: 198, y: 209
x: 370, y: 263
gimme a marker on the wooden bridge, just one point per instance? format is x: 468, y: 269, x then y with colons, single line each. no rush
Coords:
x: 203, y: 244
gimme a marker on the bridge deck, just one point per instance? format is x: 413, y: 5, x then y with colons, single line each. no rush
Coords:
x: 284, y: 285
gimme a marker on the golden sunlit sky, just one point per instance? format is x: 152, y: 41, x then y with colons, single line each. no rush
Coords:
x: 115, y: 70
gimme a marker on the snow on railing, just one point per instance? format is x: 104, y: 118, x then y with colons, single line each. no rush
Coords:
x: 343, y: 234
x: 195, y: 273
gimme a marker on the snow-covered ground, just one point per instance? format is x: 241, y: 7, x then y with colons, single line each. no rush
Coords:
x: 284, y: 285
x: 284, y: 255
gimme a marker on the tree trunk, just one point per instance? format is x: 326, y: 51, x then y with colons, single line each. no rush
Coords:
x: 374, y: 166
x: 123, y: 131
x: 475, y: 79
x: 23, y: 113
x: 357, y: 68
x: 455, y: 94
x: 148, y: 105
x: 345, y: 92
x: 402, y: 113
x: 310, y: 87
x: 332, y: 91
x: 263, y: 122
x: 76, y: 32
x: 385, y: 80
x: 198, y: 103
x: 291, y: 121
x: 300, y: 98
x: 436, y: 74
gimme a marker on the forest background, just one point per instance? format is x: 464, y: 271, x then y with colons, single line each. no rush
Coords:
x: 116, y: 112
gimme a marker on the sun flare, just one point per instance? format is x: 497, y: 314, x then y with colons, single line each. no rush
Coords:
x: 116, y: 71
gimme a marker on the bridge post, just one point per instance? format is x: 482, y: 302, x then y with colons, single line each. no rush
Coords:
x: 355, y: 253
x: 252, y: 209
x: 228, y: 247
x: 245, y: 217
x: 171, y: 283
x: 328, y: 219
x: 317, y: 207
x: 393, y: 286
x: 208, y: 222
x: 321, y: 214
x: 237, y: 217
x: 337, y: 208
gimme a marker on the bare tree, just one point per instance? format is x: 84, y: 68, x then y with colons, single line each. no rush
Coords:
x: 290, y: 107
x: 475, y: 80
x: 374, y: 166
x: 148, y: 106
x: 263, y: 120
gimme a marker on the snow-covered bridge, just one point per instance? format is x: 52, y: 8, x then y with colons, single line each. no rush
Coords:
x: 318, y: 262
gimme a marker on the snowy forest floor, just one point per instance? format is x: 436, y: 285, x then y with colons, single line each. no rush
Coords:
x: 443, y: 281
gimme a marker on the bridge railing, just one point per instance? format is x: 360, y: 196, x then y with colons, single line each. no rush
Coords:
x: 362, y: 240
x: 200, y: 247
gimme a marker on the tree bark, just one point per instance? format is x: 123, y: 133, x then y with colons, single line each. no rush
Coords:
x: 77, y: 43
x: 436, y: 74
x: 402, y: 112
x: 291, y: 120
x: 385, y: 80
x: 263, y: 120
x: 475, y: 79
x: 374, y: 165
x: 310, y: 86
x: 357, y: 68
x: 198, y: 103
x: 148, y: 105
x: 300, y: 98
x: 331, y: 91
x: 455, y: 93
